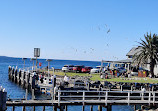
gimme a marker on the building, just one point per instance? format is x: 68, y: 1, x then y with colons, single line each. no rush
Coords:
x: 146, y: 66
x: 129, y: 61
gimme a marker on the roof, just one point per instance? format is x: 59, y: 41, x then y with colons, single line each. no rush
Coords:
x: 125, y: 61
x: 120, y: 61
x: 133, y: 51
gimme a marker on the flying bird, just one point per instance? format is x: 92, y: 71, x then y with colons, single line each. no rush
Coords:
x: 92, y: 49
x: 108, y: 31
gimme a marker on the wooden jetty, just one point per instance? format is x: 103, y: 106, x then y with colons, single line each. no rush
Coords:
x: 101, y: 98
x: 61, y: 98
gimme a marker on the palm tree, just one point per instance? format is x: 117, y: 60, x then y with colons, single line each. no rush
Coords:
x: 148, y: 52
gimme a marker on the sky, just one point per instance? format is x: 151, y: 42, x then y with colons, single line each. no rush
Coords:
x: 75, y: 29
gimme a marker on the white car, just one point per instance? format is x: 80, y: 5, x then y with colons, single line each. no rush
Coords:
x: 67, y: 68
x: 95, y: 70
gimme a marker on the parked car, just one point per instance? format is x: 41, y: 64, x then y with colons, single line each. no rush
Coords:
x: 86, y: 69
x: 95, y: 70
x: 78, y: 68
x: 67, y: 68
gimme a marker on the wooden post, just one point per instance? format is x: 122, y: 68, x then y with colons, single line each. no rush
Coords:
x: 99, y: 108
x: 83, y: 97
x: 43, y: 108
x: 131, y: 87
x: 142, y: 96
x: 152, y: 88
x: 26, y: 94
x: 33, y: 108
x: 109, y: 107
x: 26, y: 86
x: 65, y: 107
x: 99, y: 95
x: 91, y: 108
x: 88, y: 86
x: 33, y: 94
x: 142, y: 107
x: 58, y: 97
x: 153, y: 98
x: 13, y: 108
x: 15, y: 75
x: 61, y: 108
x: 135, y: 107
x: 106, y: 98
x: 121, y: 88
x: 24, y: 109
x: 54, y: 108
x: 54, y: 85
x: 12, y: 75
x: 82, y: 107
x: 149, y: 97
x: 128, y: 97
x: 3, y: 100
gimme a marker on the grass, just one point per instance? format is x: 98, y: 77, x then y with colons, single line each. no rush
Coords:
x: 97, y: 77
x: 71, y: 74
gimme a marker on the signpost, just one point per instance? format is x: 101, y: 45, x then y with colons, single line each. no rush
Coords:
x: 36, y: 54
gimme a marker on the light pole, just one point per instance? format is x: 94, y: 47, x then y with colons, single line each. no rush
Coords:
x: 48, y: 60
x: 32, y: 59
x: 24, y: 61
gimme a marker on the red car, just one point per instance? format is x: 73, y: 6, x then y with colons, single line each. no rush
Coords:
x: 86, y: 69
x: 77, y: 68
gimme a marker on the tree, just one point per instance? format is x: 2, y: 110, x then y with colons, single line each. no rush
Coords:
x: 148, y: 52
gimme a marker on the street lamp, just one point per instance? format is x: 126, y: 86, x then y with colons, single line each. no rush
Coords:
x: 48, y: 60
x: 32, y: 59
x: 24, y: 61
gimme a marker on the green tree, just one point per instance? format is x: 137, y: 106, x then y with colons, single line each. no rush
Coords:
x: 147, y: 52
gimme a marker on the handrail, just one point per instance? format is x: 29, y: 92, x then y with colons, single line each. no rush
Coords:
x: 104, y: 95
x: 108, y: 91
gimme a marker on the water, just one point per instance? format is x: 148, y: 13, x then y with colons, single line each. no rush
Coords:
x: 17, y: 92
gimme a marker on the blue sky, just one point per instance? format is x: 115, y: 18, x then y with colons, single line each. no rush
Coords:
x: 75, y: 29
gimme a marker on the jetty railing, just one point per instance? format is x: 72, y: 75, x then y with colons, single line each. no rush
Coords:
x: 117, y: 97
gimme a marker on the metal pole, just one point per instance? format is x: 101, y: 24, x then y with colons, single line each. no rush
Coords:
x: 36, y: 63
x: 33, y: 64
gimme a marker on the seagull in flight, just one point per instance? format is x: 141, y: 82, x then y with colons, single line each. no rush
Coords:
x: 108, y: 31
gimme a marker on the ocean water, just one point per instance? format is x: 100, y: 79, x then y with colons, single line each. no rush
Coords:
x: 17, y: 92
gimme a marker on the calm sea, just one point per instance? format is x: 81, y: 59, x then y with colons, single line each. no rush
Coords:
x: 17, y: 92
